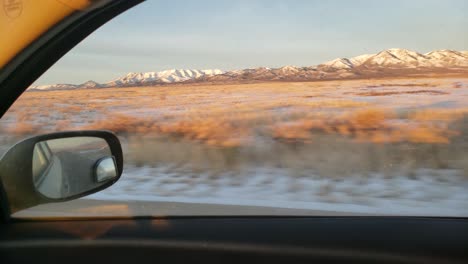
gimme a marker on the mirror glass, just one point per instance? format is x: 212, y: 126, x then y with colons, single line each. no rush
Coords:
x: 106, y: 169
x: 69, y: 166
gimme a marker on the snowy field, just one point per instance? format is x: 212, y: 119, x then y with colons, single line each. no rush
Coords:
x: 429, y: 193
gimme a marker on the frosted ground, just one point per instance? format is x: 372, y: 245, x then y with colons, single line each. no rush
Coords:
x: 429, y: 193
x: 253, y: 145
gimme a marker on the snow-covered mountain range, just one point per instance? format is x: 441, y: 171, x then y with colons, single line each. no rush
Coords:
x: 168, y: 76
x: 387, y: 62
x: 402, y: 58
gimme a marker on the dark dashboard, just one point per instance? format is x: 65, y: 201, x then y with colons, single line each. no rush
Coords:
x: 237, y: 239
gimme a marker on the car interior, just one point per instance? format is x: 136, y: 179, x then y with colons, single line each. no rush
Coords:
x: 181, y: 238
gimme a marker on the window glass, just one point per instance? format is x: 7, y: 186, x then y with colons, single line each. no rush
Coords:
x: 294, y: 107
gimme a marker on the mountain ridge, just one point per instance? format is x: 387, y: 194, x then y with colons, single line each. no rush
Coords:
x: 392, y: 61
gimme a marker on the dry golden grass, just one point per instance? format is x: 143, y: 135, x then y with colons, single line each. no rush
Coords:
x: 299, y: 126
x: 23, y: 129
x: 234, y: 115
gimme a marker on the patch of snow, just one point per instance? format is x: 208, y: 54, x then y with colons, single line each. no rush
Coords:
x: 429, y: 193
x: 341, y: 63
x: 287, y: 69
x: 399, y: 57
x: 448, y: 58
x: 166, y: 76
x: 358, y: 60
x: 53, y: 87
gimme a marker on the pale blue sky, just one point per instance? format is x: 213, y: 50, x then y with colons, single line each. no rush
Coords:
x: 158, y: 35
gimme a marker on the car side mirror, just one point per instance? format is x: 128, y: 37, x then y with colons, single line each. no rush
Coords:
x: 59, y: 167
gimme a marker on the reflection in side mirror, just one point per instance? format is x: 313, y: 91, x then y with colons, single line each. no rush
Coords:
x: 105, y: 169
x: 68, y: 166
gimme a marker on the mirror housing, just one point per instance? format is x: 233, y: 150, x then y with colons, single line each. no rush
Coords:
x: 20, y: 183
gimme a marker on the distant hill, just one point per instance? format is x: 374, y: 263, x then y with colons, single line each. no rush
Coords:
x: 391, y: 62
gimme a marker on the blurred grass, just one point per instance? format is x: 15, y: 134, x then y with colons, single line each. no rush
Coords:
x: 317, y: 126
